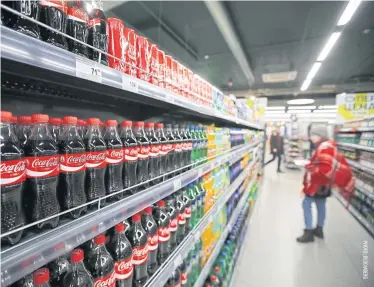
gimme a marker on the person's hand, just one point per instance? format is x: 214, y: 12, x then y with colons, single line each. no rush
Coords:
x: 274, y: 150
x: 302, y: 194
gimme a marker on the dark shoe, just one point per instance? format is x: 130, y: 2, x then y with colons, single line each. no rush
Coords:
x: 318, y: 231
x: 306, y: 237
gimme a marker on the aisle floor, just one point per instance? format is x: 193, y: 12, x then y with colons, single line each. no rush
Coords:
x: 271, y: 257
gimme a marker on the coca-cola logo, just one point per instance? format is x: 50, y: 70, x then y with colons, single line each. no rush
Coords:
x: 140, y: 252
x: 96, y: 157
x: 116, y: 154
x: 164, y: 231
x: 43, y: 163
x: 153, y: 240
x: 173, y: 222
x: 74, y: 159
x: 124, y: 265
x: 144, y: 150
x: 131, y: 151
x: 81, y: 14
x: 107, y: 281
x: 131, y: 52
x: 17, y: 167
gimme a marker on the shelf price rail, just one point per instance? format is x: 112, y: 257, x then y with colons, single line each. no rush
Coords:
x: 24, y: 258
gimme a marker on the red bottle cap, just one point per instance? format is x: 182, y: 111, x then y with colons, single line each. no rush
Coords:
x: 77, y: 255
x: 213, y: 277
x: 111, y: 123
x: 93, y: 121
x: 14, y: 120
x: 55, y: 121
x: 148, y: 210
x: 5, y: 116
x: 136, y: 217
x: 139, y: 124
x: 70, y: 120
x: 39, y: 118
x: 216, y: 269
x: 160, y: 125
x: 127, y: 123
x: 24, y: 119
x: 82, y: 123
x: 100, y: 239
x: 161, y: 203
x: 41, y: 276
x: 149, y: 125
x: 101, y: 124
x: 120, y: 227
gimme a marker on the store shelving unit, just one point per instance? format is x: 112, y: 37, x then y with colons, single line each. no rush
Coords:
x: 357, y: 146
x: 357, y: 165
x: 292, y: 152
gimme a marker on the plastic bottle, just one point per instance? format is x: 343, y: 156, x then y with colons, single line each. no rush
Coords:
x: 131, y: 157
x: 71, y: 190
x: 188, y: 147
x: 79, y: 276
x: 13, y: 176
x: 42, y: 170
x: 121, y: 251
x: 143, y: 154
x: 24, y: 129
x: 173, y: 226
x: 58, y: 269
x: 178, y: 151
x: 195, y: 154
x: 175, y: 279
x: 95, y: 161
x: 55, y: 127
x: 194, y: 216
x: 150, y: 227
x: 30, y: 8
x: 187, y: 210
x: 154, y: 152
x: 163, y: 150
x: 41, y: 278
x: 184, y: 275
x: 163, y: 221
x: 114, y: 160
x: 181, y: 216
x: 139, y: 243
x: 82, y: 128
x: 171, y: 153
x: 184, y: 145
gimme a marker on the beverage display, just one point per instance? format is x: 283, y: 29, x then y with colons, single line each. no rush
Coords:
x: 150, y: 227
x: 154, y: 152
x: 173, y: 213
x: 187, y: 201
x: 130, y: 38
x: 163, y: 150
x: 58, y: 269
x: 171, y: 152
x: 181, y: 231
x: 163, y: 222
x: 143, y: 146
x: 143, y: 59
x: 116, y: 43
x: 153, y: 64
x: 78, y: 275
x: 178, y: 149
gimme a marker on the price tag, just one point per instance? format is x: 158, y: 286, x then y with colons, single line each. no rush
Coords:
x: 87, y: 69
x: 169, y: 98
x: 130, y: 84
x: 177, y: 184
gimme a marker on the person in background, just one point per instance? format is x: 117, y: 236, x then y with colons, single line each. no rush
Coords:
x: 327, y: 168
x: 276, y: 148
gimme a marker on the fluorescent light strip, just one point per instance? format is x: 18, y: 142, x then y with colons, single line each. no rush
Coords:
x: 305, y: 85
x: 330, y: 43
x: 274, y: 108
x: 348, y: 12
x: 302, y: 108
x: 300, y: 102
x: 325, y: 111
x: 299, y: 112
x: 327, y: 107
x: 313, y: 71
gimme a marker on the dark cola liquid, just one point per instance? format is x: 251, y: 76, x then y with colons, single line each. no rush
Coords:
x: 187, y: 210
x: 173, y: 215
x: 163, y: 220
x: 163, y: 153
x: 58, y: 269
x: 181, y: 218
x: 143, y: 157
x: 154, y: 154
x: 98, y: 35
x: 129, y: 173
x: 150, y: 228
x: 30, y: 8
x: 171, y: 153
x: 178, y: 149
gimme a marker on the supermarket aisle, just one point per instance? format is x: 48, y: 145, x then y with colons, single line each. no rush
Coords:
x: 271, y: 256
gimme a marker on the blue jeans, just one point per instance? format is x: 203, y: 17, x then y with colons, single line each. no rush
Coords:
x: 321, y: 211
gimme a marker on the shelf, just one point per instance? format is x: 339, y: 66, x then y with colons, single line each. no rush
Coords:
x: 209, y: 264
x: 360, y: 166
x: 353, y: 130
x: 357, y: 146
x: 27, y: 256
x: 175, y: 259
x: 54, y: 71
x: 356, y: 214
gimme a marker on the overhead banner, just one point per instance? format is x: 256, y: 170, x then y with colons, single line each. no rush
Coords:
x: 354, y: 106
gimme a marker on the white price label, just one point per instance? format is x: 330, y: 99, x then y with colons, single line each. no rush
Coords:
x: 87, y: 69
x: 177, y: 184
x: 130, y: 84
x: 169, y: 98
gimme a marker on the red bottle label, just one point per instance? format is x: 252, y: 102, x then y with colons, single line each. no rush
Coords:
x: 42, y: 166
x: 163, y: 234
x: 190, y: 145
x: 114, y: 155
x: 116, y: 43
x: 78, y: 14
x: 153, y: 242
x: 173, y: 226
x: 155, y: 150
x: 177, y: 147
x: 187, y: 212
x: 184, y: 278
x: 72, y: 162
x: 140, y: 255
x: 94, y: 22
x: 95, y: 159
x: 181, y: 219
x: 131, y: 154
x: 164, y: 149
x: 12, y: 171
x: 107, y: 281
x: 143, y: 152
x: 58, y: 4
x: 123, y: 269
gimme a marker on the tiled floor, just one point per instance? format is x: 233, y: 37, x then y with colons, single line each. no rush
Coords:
x: 273, y: 258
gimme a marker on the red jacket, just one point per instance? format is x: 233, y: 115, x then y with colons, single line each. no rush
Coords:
x: 328, y: 168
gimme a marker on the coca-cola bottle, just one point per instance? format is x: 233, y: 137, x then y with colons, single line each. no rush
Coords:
x: 181, y: 216
x: 77, y: 27
x: 58, y: 269
x: 95, y: 161
x: 163, y: 221
x: 143, y: 154
x: 178, y: 150
x: 78, y: 276
x: 184, y: 145
x: 139, y: 242
x: 127, y: 226
x: 26, y: 281
x: 42, y: 171
x: 187, y: 149
x: 14, y: 124
x: 130, y: 162
x: 101, y: 264
x: 150, y: 228
x: 40, y: 278
x: 154, y: 152
x: 121, y: 251
x: 54, y: 14
x: 171, y: 153
x: 163, y: 150
x: 82, y: 128
x: 175, y: 279
x: 24, y: 129
x: 72, y: 168
x: 55, y: 127
x: 183, y: 271
x: 98, y: 33
x: 13, y: 175
x: 29, y: 8
x: 187, y: 209
x: 173, y: 215
x: 114, y: 160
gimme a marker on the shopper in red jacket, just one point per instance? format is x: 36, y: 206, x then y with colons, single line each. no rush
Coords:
x: 327, y: 169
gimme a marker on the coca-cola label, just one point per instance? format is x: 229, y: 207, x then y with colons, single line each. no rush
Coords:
x: 140, y: 255
x: 153, y: 242
x: 187, y: 212
x: 58, y: 4
x: 189, y: 144
x: 155, y: 150
x: 107, y: 281
x: 123, y: 269
x: 184, y: 278
x: 114, y: 155
x: 12, y: 171
x: 170, y: 147
x: 173, y: 226
x: 143, y: 152
x: 163, y: 234
x: 181, y: 219
x: 95, y: 159
x: 72, y: 162
x: 131, y: 153
x: 94, y: 22
x: 177, y: 147
x: 42, y: 166
x: 164, y: 149
x: 78, y: 14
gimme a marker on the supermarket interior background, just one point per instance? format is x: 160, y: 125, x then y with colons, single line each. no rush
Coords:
x: 135, y: 137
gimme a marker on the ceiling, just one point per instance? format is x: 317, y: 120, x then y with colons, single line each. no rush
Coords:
x: 274, y: 36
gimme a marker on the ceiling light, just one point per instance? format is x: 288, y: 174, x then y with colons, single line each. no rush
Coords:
x: 305, y: 84
x: 314, y: 70
x: 330, y: 43
x: 300, y: 102
x: 348, y: 12
x: 279, y: 77
x: 275, y: 108
x: 325, y: 111
x: 302, y: 107
x: 299, y: 112
x: 328, y: 107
